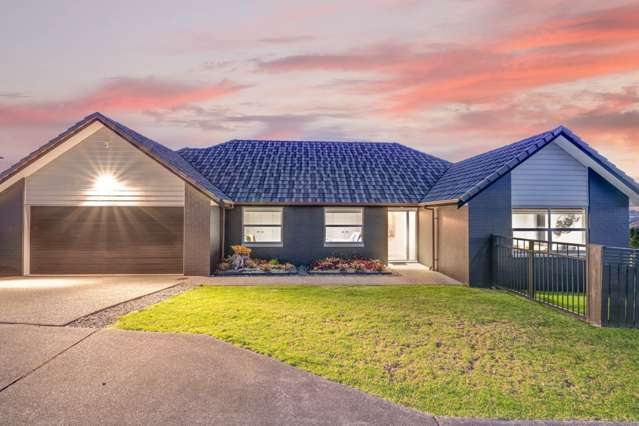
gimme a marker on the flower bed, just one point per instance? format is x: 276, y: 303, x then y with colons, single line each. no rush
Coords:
x: 256, y: 267
x: 338, y: 265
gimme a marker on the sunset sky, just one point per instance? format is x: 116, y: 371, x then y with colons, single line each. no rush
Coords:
x: 452, y: 78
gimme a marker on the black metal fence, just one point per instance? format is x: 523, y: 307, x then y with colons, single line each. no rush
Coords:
x: 550, y: 273
x: 620, y: 287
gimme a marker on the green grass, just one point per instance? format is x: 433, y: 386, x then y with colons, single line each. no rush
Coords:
x: 574, y: 302
x: 445, y: 350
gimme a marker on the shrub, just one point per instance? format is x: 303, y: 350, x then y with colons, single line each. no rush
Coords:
x: 345, y: 265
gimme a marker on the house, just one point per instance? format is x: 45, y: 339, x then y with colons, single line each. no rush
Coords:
x: 102, y: 199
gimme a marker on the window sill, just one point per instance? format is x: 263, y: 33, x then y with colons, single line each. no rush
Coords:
x: 263, y: 244
x: 343, y: 244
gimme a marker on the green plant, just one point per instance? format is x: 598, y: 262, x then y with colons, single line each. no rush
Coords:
x: 634, y: 238
x: 274, y: 262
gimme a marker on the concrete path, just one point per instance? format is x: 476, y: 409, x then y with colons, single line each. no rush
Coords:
x: 60, y: 300
x: 131, y: 378
x: 24, y: 348
x: 402, y: 274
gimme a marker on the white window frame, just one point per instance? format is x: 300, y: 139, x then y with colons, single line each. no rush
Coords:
x: 549, y: 229
x: 359, y: 210
x: 279, y: 243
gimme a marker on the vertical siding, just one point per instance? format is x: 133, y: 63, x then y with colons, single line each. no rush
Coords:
x: 11, y: 219
x: 489, y: 213
x: 70, y: 179
x: 197, y: 233
x: 452, y: 242
x: 550, y: 178
x: 303, y: 235
x: 608, y: 213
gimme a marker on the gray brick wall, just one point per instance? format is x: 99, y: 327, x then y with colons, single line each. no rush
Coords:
x: 303, y: 235
x: 452, y: 242
x: 11, y: 219
x: 197, y: 233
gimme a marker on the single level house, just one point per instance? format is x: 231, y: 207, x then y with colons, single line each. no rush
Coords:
x: 102, y: 199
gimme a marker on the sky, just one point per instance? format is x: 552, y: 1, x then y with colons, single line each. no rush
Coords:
x: 452, y: 78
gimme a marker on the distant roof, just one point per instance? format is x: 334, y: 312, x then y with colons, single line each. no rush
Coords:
x: 467, y: 178
x: 318, y: 172
x: 156, y: 150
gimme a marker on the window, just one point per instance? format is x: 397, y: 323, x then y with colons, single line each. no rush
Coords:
x: 343, y: 226
x: 262, y: 225
x: 552, y: 225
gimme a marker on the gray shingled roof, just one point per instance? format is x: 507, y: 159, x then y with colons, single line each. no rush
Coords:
x: 318, y: 172
x: 467, y: 178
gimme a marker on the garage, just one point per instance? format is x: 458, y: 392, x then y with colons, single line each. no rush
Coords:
x: 101, y: 199
x: 106, y: 240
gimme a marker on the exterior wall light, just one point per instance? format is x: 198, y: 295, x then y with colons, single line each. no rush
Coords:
x: 106, y: 184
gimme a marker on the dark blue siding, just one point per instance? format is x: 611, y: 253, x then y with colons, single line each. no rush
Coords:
x: 488, y: 213
x: 303, y: 236
x: 608, y: 213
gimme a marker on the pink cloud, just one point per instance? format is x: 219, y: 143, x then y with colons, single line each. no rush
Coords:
x: 602, y: 28
x: 416, y: 77
x: 119, y: 94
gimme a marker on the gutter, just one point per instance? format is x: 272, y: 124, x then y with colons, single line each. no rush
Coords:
x: 440, y: 203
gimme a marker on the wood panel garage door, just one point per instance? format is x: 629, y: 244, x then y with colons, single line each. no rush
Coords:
x: 106, y: 240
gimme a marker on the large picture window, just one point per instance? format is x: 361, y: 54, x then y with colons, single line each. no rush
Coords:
x: 552, y: 225
x: 262, y: 225
x: 344, y: 226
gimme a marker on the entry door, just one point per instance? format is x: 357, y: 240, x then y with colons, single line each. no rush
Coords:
x: 402, y: 235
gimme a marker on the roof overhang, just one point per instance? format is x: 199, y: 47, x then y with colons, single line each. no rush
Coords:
x: 440, y: 203
x: 607, y: 171
x: 324, y: 204
x: 79, y: 133
x: 574, y: 146
x: 48, y: 154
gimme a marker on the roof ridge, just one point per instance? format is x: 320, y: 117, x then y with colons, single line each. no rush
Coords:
x: 358, y: 141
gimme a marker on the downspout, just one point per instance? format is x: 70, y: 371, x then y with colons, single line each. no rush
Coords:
x: 436, y: 239
x: 222, y: 233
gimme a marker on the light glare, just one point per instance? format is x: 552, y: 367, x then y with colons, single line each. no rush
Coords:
x: 106, y: 184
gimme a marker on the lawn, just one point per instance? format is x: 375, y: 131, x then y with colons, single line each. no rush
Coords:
x: 574, y: 302
x: 450, y: 351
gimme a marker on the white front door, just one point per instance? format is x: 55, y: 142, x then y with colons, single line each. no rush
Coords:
x: 402, y: 235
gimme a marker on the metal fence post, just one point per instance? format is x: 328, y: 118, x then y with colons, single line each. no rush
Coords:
x: 531, y: 269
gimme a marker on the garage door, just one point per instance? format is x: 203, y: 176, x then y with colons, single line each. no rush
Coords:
x: 106, y: 240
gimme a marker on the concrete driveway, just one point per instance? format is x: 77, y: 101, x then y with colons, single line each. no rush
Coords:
x: 60, y: 300
x: 130, y: 378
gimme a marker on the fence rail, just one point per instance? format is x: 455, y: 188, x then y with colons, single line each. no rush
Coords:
x: 620, y: 287
x: 550, y: 273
